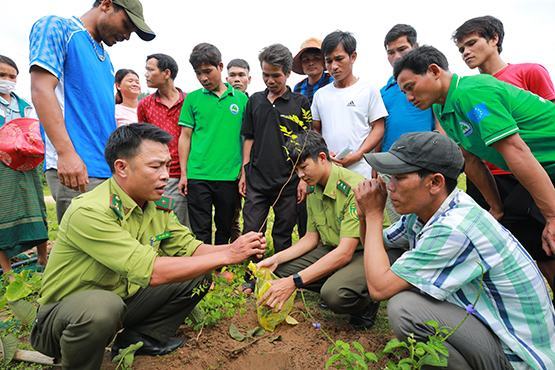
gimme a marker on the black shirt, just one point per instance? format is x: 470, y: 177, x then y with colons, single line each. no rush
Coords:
x: 269, y: 167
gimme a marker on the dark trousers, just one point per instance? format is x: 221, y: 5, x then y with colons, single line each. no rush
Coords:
x: 255, y: 211
x: 521, y: 215
x: 80, y: 326
x: 202, y: 195
x: 302, y: 216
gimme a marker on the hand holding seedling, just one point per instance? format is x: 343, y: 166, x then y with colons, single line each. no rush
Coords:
x: 279, y: 291
x: 271, y: 263
x: 251, y: 243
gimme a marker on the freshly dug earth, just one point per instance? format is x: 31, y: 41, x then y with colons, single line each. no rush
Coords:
x: 298, y: 347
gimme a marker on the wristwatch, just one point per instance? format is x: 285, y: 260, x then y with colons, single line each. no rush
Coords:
x: 298, y: 281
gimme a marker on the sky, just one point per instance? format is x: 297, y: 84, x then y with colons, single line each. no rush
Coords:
x: 242, y: 29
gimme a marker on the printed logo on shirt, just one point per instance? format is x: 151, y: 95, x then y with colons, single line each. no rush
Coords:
x: 478, y: 113
x: 234, y: 109
x: 466, y: 128
x: 351, y: 104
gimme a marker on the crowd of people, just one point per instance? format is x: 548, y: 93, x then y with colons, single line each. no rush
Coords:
x: 140, y: 185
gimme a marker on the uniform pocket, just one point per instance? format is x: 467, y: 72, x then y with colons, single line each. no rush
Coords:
x: 98, y: 275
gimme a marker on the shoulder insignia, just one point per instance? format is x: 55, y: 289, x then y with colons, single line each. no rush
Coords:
x: 116, y: 206
x: 310, y: 189
x: 343, y: 187
x: 165, y: 204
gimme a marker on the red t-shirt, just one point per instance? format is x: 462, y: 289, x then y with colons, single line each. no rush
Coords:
x: 151, y: 110
x: 528, y: 76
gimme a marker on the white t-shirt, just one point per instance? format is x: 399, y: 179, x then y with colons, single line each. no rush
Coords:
x: 125, y: 115
x: 346, y: 115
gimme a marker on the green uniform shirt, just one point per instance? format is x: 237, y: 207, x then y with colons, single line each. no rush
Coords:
x: 215, y: 152
x: 332, y: 210
x: 481, y: 110
x: 106, y: 241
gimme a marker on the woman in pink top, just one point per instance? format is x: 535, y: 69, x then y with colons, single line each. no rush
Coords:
x: 128, y: 89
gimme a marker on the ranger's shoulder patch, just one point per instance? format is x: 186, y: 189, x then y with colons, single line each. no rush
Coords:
x: 165, y: 204
x: 116, y: 206
x: 343, y: 187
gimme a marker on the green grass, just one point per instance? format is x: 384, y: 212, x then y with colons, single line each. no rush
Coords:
x: 52, y: 221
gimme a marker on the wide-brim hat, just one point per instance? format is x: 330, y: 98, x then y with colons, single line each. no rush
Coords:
x: 134, y: 10
x: 311, y: 43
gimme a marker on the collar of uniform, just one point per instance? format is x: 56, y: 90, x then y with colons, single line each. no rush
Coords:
x: 14, y: 107
x: 448, y: 106
x: 229, y: 91
x: 286, y: 95
x: 127, y: 203
x: 331, y: 186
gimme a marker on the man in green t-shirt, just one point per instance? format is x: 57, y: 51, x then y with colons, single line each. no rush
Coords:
x: 210, y: 146
x: 494, y: 121
x: 329, y: 257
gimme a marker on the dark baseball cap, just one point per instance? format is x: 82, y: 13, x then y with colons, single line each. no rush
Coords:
x: 431, y: 151
x: 134, y: 10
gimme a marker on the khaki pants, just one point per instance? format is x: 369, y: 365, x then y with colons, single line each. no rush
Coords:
x: 80, y: 326
x: 344, y: 291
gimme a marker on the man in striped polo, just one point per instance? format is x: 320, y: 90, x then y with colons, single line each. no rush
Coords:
x: 450, y: 257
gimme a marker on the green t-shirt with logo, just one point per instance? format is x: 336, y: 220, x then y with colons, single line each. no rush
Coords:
x: 215, y: 152
x: 481, y: 110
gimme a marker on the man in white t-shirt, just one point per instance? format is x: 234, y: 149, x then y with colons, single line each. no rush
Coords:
x: 348, y: 112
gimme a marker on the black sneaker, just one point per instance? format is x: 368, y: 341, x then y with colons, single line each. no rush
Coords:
x: 366, y: 319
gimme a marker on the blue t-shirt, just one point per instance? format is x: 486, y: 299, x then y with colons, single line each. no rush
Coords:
x: 403, y: 116
x: 85, y: 91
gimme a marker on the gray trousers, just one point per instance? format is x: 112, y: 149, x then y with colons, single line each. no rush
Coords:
x: 344, y: 291
x: 473, y: 346
x: 180, y: 202
x: 80, y: 326
x: 62, y: 194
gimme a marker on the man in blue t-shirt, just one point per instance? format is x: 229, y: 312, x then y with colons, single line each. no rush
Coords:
x: 72, y: 82
x: 403, y: 116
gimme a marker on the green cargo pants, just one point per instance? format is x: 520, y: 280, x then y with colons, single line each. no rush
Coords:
x: 80, y: 326
x: 344, y: 291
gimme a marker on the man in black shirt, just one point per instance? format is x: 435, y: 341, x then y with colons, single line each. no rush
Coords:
x: 272, y: 116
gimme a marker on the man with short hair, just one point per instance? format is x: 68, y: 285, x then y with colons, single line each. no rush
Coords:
x: 72, y: 88
x: 309, y: 62
x: 238, y: 74
x: 162, y: 109
x: 348, y: 112
x: 494, y: 121
x: 328, y: 258
x: 267, y: 177
x: 403, y: 116
x: 122, y: 260
x: 210, y: 146
x: 480, y: 42
x: 449, y: 260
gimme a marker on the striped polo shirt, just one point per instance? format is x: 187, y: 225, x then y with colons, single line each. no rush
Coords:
x: 309, y: 90
x: 443, y: 260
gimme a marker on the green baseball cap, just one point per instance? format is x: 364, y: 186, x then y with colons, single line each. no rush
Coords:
x: 134, y: 10
x: 431, y: 151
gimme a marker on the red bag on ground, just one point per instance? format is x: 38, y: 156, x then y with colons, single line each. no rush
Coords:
x: 21, y: 145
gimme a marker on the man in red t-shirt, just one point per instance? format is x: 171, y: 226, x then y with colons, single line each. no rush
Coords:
x: 162, y: 109
x: 480, y: 43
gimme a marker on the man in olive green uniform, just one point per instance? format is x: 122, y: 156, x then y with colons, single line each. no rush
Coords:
x: 123, y: 260
x: 329, y: 258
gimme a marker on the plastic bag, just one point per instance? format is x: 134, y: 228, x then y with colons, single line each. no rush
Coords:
x: 267, y: 317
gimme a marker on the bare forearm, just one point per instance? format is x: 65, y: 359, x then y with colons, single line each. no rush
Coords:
x: 175, y: 269
x: 374, y: 138
x: 481, y: 177
x: 51, y: 117
x: 183, y: 149
x: 376, y: 261
x: 247, y: 147
x: 317, y: 126
x: 205, y: 249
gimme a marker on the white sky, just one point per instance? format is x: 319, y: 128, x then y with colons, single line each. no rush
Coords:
x: 240, y: 29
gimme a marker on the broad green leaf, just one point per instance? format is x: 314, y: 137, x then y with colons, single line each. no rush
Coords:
x: 25, y: 311
x: 17, y: 290
x: 126, y: 356
x: 332, y: 360
x: 358, y: 347
x: 371, y: 357
x: 394, y: 344
x: 9, y: 347
x: 236, y: 334
x: 256, y: 332
x: 291, y: 320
